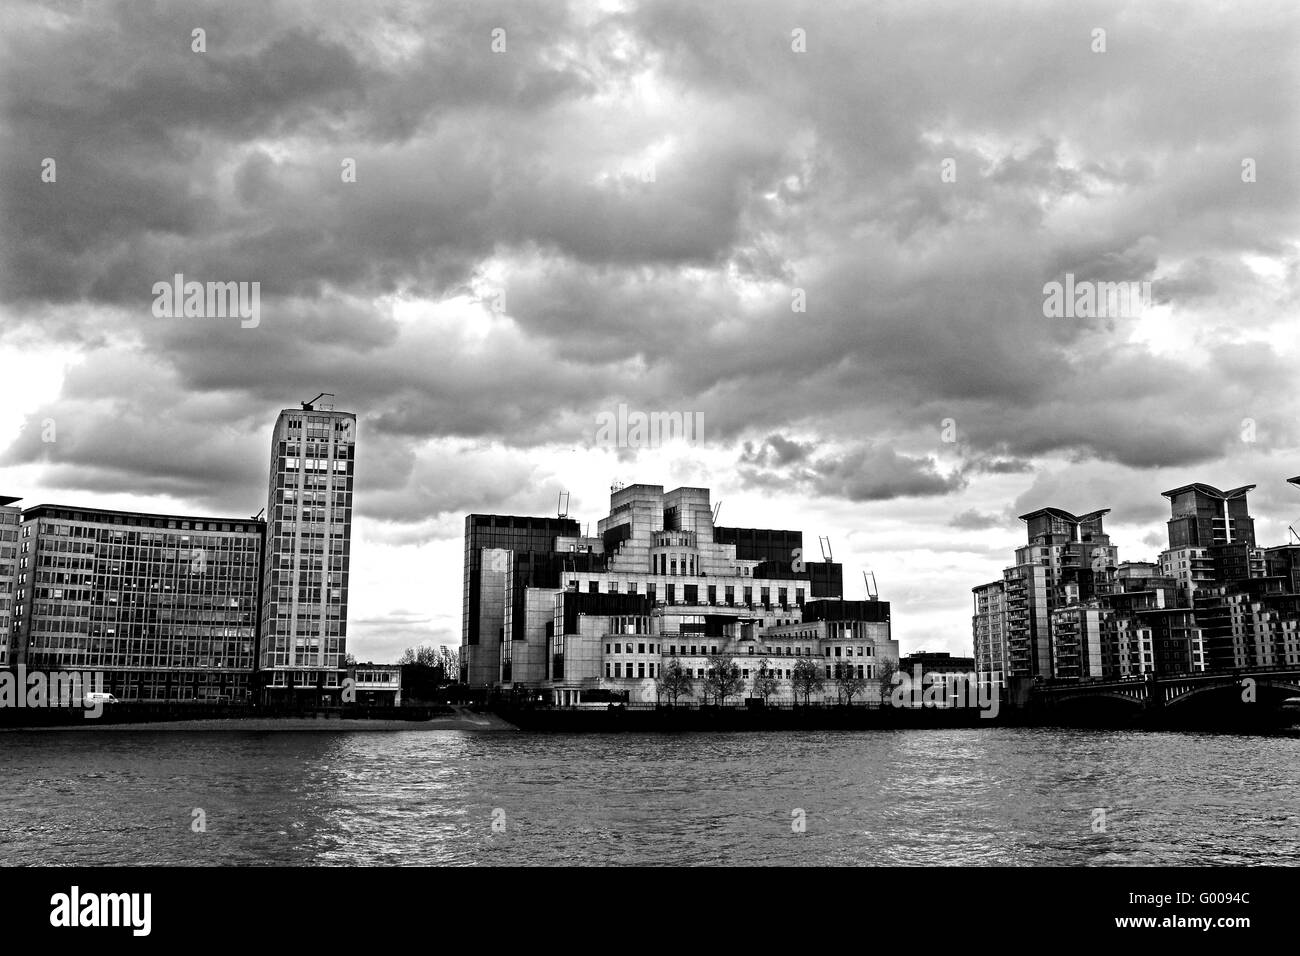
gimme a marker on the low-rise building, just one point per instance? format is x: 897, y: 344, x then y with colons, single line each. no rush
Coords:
x: 374, y: 685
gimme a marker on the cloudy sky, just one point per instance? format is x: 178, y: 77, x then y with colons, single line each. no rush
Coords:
x: 627, y: 203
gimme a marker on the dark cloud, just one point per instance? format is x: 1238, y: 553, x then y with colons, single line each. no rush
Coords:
x: 864, y: 473
x: 977, y: 521
x: 645, y: 190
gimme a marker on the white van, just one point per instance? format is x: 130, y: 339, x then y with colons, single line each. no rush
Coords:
x: 97, y: 697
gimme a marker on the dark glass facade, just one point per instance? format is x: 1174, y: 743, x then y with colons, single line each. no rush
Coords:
x: 164, y: 606
x: 536, y: 564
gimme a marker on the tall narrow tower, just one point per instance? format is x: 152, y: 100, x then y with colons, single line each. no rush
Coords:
x: 303, y: 632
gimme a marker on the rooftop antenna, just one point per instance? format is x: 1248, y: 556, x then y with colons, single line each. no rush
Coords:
x: 825, y: 543
x: 716, y: 508
x: 873, y: 592
x: 562, y: 505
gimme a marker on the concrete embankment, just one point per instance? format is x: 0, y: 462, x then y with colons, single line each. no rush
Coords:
x: 460, y: 718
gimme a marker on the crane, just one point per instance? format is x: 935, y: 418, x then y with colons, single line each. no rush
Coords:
x: 562, y: 505
x: 308, y: 406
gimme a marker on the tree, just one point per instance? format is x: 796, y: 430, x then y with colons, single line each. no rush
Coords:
x: 848, y: 682
x: 886, y: 671
x: 807, y: 678
x: 349, y: 659
x: 674, y: 680
x: 722, y: 677
x: 424, y: 655
x: 448, y: 659
x: 766, y: 683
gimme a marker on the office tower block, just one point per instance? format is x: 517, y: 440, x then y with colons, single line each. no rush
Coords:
x: 303, y: 640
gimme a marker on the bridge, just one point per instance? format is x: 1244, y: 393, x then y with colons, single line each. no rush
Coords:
x: 1266, y: 687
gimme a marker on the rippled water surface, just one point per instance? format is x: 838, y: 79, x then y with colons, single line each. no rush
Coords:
x: 997, y: 796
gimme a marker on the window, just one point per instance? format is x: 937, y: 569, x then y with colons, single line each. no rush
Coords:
x: 618, y: 670
x: 640, y: 648
x: 640, y: 670
x: 618, y: 648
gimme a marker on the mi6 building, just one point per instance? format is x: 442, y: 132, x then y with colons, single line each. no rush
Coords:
x: 577, y: 617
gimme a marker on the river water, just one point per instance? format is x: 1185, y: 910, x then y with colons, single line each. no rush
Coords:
x: 983, y: 796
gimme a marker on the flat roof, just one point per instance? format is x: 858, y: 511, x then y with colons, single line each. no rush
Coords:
x: 37, y: 511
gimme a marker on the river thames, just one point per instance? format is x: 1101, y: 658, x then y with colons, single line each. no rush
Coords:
x: 927, y: 797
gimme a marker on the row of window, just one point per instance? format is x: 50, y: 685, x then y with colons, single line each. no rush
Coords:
x: 641, y: 648
x: 691, y: 593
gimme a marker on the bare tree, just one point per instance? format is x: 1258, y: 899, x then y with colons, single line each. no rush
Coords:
x: 408, y: 656
x: 766, y: 683
x: 885, y: 673
x: 807, y: 678
x: 849, y: 681
x: 722, y: 677
x: 674, y: 680
x: 448, y: 659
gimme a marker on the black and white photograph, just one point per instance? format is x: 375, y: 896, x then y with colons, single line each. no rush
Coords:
x: 440, y: 436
